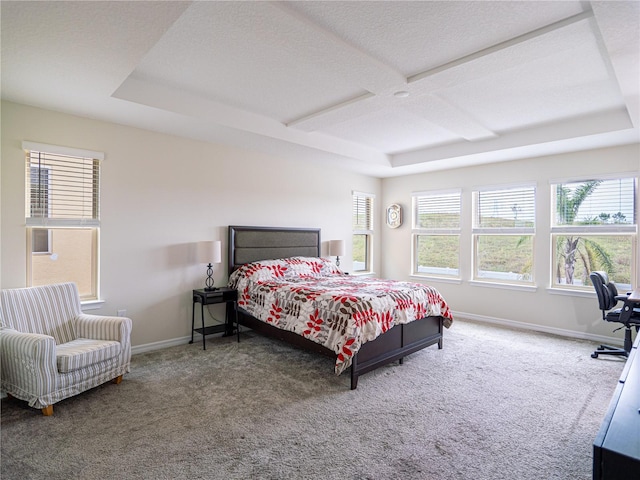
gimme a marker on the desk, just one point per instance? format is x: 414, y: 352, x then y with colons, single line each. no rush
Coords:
x: 616, y: 449
x: 632, y: 301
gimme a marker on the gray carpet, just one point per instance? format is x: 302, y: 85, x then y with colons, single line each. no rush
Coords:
x: 495, y: 403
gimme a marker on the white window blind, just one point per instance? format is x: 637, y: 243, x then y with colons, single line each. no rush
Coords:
x: 509, y: 210
x: 436, y: 233
x: 437, y: 211
x: 62, y: 189
x: 607, y: 204
x: 362, y: 212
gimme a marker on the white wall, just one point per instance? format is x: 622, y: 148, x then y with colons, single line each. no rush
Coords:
x: 160, y: 195
x: 575, y: 315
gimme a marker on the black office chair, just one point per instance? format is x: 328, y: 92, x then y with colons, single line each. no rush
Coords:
x: 608, y: 298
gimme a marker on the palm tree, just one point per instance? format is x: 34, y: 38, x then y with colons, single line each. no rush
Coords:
x: 572, y: 248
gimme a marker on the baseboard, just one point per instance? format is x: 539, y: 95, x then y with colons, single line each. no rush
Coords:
x: 614, y: 341
x: 149, y: 347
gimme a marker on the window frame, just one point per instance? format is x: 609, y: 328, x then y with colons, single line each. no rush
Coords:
x: 478, y: 231
x: 592, y: 230
x: 34, y: 241
x: 435, y: 231
x: 367, y: 231
x: 34, y: 207
x: 74, y: 218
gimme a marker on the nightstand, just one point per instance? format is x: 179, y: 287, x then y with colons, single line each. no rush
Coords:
x: 211, y: 297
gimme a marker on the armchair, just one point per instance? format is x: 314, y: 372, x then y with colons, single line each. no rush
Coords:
x: 629, y: 317
x: 50, y: 350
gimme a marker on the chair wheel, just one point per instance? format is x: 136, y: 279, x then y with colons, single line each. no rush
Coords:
x: 594, y: 355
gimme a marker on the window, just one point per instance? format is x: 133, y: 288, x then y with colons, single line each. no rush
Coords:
x: 39, y: 207
x: 362, y: 232
x: 63, y: 216
x: 503, y: 232
x: 436, y: 233
x: 41, y: 241
x: 594, y: 227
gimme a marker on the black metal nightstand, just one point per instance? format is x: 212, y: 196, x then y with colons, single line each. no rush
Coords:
x: 210, y: 297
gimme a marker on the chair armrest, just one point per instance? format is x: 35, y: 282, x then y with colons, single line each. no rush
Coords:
x: 101, y: 327
x: 27, y: 345
x: 28, y: 360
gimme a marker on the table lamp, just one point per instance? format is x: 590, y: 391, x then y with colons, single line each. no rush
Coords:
x: 336, y: 247
x: 210, y: 252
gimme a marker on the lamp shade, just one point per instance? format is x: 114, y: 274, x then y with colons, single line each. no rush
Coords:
x: 336, y: 248
x: 210, y: 252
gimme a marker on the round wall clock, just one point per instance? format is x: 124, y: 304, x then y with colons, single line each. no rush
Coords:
x: 394, y: 215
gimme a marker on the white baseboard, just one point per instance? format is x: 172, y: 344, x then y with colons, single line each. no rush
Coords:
x: 149, y: 347
x: 614, y: 341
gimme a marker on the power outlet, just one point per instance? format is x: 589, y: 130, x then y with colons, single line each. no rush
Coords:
x: 122, y: 313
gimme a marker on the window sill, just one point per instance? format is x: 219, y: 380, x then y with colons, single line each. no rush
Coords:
x: 362, y: 274
x: 505, y: 286
x: 433, y: 278
x: 571, y: 293
x: 91, y: 304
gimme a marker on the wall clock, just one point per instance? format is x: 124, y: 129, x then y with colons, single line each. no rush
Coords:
x: 394, y: 215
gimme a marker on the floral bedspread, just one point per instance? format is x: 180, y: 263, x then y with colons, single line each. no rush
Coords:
x: 314, y: 298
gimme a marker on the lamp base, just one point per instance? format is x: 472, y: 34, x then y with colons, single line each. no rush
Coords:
x: 209, y: 281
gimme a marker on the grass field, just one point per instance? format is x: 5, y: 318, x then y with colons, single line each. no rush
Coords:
x: 503, y: 255
x: 513, y: 254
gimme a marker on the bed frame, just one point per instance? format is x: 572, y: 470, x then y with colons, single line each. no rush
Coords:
x: 251, y: 244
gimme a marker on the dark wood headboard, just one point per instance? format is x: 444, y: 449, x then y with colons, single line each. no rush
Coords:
x: 251, y: 244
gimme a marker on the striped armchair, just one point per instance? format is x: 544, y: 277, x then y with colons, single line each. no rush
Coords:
x: 50, y: 350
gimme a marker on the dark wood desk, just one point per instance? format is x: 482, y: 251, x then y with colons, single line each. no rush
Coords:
x: 616, y: 449
x: 630, y: 302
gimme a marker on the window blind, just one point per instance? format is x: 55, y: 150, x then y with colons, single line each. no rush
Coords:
x: 596, y: 203
x: 506, y: 210
x: 362, y: 212
x: 438, y: 210
x: 62, y: 190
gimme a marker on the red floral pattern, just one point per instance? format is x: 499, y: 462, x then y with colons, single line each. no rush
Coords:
x: 314, y: 325
x: 274, y: 313
x: 312, y: 297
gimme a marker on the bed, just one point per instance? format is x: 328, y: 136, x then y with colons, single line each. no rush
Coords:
x: 269, y: 264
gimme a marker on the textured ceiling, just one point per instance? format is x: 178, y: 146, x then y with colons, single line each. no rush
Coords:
x: 483, y: 81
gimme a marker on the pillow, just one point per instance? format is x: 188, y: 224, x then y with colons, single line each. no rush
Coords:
x: 290, y: 269
x: 312, y: 266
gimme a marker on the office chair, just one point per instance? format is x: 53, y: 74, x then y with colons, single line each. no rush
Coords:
x: 608, y: 298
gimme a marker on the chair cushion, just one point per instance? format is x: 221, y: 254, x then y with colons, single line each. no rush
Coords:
x: 83, y: 352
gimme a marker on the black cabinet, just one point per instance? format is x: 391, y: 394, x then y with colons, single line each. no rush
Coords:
x: 616, y: 450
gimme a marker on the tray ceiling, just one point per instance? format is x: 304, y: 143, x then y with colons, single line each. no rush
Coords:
x: 385, y: 88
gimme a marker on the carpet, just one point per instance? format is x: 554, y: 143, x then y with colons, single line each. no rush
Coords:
x: 495, y: 403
